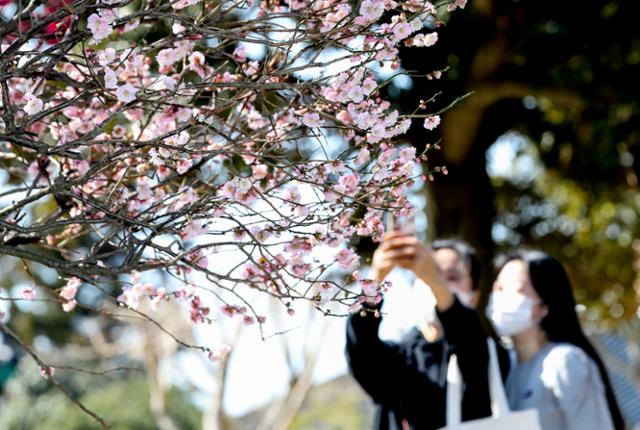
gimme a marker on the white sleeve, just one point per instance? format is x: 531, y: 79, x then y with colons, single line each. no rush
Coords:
x: 576, y: 383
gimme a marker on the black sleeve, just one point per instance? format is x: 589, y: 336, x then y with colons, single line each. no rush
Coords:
x: 379, y: 367
x: 463, y: 330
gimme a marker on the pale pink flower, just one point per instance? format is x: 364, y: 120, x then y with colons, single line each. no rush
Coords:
x: 347, y: 184
x: 368, y: 86
x: 155, y: 302
x: 407, y: 155
x: 260, y: 171
x: 363, y: 156
x: 45, y: 169
x: 312, y: 119
x: 193, y: 229
x: 28, y: 293
x: 416, y: 24
x: 100, y: 27
x: 183, y: 165
x: 327, y: 293
x: 344, y: 116
x: 166, y: 57
x: 219, y: 353
x: 69, y: 305
x: 47, y: 371
x: 240, y: 54
x: 34, y: 104
x: 106, y: 56
x: 369, y: 287
x: 110, y: 78
x: 69, y: 291
x: 167, y: 83
x: 181, y: 4
x: 126, y: 93
x: 241, y: 185
x: 427, y: 40
x: 430, y: 39
x: 301, y: 210
x: 456, y: 4
x: 81, y: 166
x: 402, y: 30
x: 143, y: 188
x: 378, y: 132
x: 347, y: 259
x: 177, y: 28
x: 129, y: 298
x: 197, y: 63
x: 292, y: 195
x: 371, y: 10
x: 251, y: 68
x: 431, y: 122
x: 199, y: 259
x: 355, y: 94
x: 131, y: 25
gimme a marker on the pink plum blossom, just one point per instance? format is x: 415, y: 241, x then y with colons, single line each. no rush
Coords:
x: 312, y: 119
x: 110, y: 78
x: 371, y: 10
x: 177, y: 28
x: 402, y: 30
x: 33, y: 105
x: 347, y: 259
x: 181, y: 4
x: 431, y: 122
x: 167, y: 57
x: 240, y: 54
x: 456, y: 4
x: 106, y: 56
x: 69, y: 291
x: 47, y: 372
x: 28, y: 293
x: 69, y: 305
x: 100, y: 27
x: 348, y: 184
x: 193, y: 229
x: 219, y: 353
x: 126, y: 93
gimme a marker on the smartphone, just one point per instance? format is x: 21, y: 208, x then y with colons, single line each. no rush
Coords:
x: 398, y: 222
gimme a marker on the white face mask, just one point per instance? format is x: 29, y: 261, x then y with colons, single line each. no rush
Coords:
x: 510, y: 313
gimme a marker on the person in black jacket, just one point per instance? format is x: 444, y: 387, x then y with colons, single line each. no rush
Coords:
x: 407, y: 380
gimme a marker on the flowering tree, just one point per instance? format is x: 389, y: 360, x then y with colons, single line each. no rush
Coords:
x: 203, y: 152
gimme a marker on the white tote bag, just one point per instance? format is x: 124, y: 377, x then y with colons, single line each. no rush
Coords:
x: 502, y: 418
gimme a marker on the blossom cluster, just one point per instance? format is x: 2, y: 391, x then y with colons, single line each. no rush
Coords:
x: 188, y: 154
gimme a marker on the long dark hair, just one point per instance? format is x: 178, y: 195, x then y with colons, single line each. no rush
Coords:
x: 561, y: 324
x: 466, y: 253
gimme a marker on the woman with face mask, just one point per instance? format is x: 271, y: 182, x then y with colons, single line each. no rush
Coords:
x: 558, y: 371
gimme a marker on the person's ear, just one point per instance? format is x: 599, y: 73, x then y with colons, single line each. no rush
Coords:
x: 475, y: 298
x: 544, y: 310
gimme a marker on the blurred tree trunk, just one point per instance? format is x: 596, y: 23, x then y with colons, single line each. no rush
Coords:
x: 282, y: 412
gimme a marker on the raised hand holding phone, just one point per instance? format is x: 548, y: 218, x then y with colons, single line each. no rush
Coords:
x: 395, y: 221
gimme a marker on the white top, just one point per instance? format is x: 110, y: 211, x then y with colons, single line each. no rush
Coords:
x: 564, y: 385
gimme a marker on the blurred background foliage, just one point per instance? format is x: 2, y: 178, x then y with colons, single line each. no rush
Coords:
x: 557, y: 99
x: 31, y: 403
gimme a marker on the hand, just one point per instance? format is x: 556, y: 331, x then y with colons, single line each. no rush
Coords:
x: 424, y: 265
x: 396, y: 249
x: 426, y: 268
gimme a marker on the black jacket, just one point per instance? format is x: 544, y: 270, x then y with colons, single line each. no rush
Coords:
x: 407, y: 380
